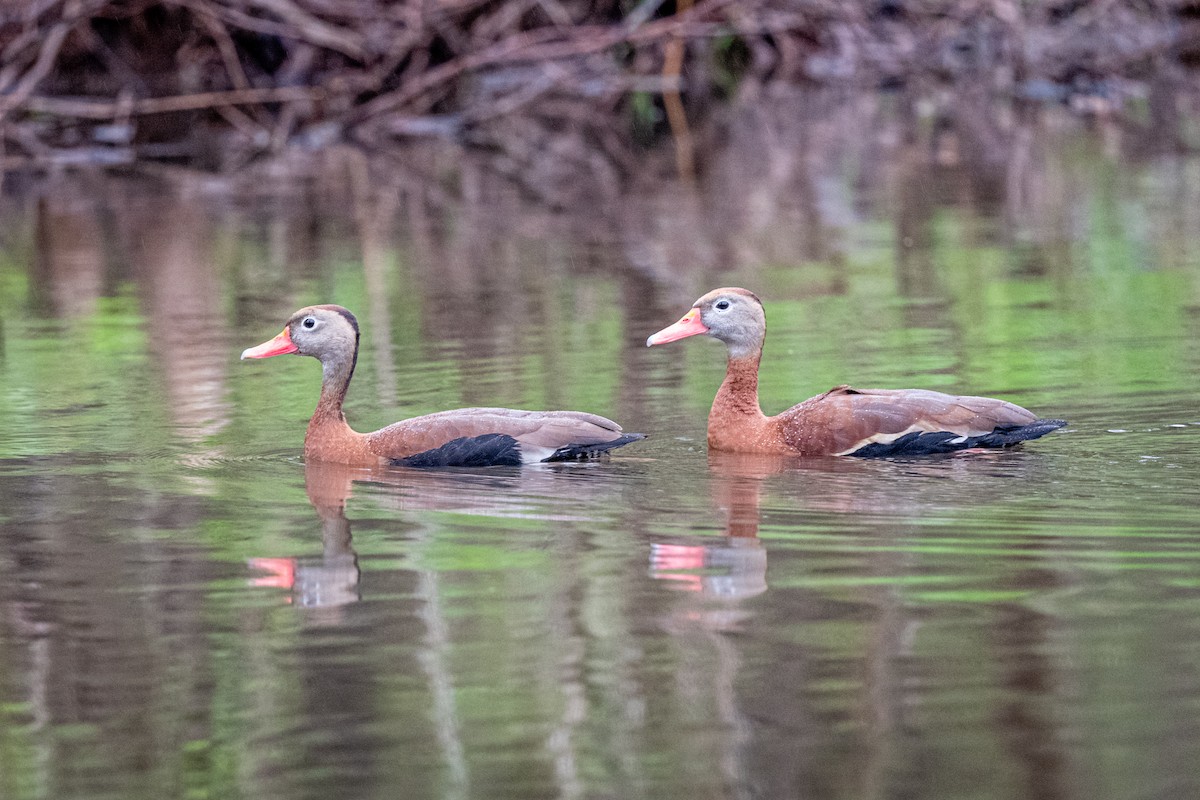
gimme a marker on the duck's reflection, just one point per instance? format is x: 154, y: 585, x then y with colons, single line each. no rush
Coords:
x: 332, y: 578
x: 536, y: 493
x: 735, y: 565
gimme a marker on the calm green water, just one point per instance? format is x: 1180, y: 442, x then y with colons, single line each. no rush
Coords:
x: 188, y: 610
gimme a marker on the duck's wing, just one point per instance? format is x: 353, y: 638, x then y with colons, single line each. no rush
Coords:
x: 485, y: 436
x: 887, y: 422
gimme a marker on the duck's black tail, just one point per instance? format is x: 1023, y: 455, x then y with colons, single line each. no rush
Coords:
x: 920, y: 443
x: 1015, y: 434
x: 572, y: 452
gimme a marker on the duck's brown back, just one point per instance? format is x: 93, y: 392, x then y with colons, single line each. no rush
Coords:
x: 538, y: 434
x: 844, y: 419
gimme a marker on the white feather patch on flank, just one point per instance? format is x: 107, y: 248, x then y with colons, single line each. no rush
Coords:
x: 888, y: 438
x: 531, y: 454
x: 883, y: 438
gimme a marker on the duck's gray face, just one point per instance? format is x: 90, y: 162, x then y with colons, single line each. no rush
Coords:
x: 318, y: 331
x: 734, y: 316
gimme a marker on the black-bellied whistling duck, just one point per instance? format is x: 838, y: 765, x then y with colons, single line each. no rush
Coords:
x: 843, y: 420
x: 469, y: 437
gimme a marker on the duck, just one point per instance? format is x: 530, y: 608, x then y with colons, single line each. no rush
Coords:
x: 843, y: 421
x: 464, y: 437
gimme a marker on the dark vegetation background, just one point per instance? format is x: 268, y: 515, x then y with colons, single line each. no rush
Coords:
x: 552, y: 88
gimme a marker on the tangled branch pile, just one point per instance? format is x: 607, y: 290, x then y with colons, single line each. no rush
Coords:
x: 217, y: 82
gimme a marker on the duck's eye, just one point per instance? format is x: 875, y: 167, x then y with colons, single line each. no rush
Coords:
x: 309, y: 323
x: 722, y: 305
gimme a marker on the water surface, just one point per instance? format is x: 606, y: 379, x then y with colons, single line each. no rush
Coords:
x: 190, y: 610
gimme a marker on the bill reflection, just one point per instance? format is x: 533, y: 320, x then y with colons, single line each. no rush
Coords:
x: 331, y: 579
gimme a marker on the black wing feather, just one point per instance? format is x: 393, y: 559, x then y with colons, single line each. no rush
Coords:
x: 488, y: 450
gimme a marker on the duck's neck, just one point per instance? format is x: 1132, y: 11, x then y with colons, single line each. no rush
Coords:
x: 329, y: 436
x: 737, y: 399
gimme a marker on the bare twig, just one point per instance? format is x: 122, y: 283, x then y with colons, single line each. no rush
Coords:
x: 296, y: 27
x: 224, y: 42
x: 28, y: 36
x: 313, y: 29
x: 104, y: 110
x: 536, y: 45
x: 371, y: 70
x: 673, y: 52
x: 40, y: 69
x: 243, y: 122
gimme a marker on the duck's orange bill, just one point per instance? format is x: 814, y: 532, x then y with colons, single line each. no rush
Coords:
x: 690, y: 325
x: 280, y: 345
